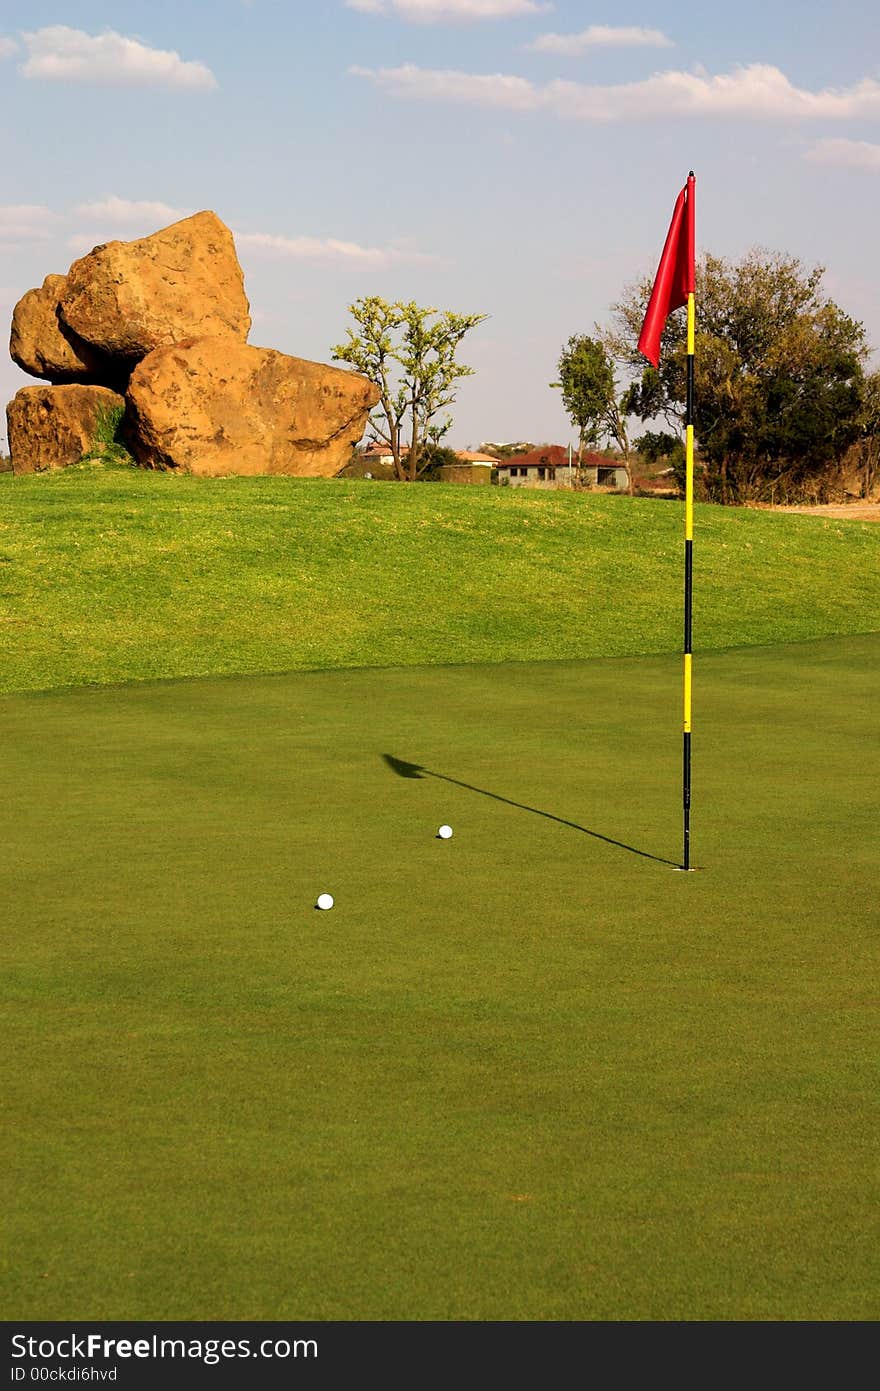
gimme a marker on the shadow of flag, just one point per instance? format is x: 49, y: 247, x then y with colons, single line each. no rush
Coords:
x: 418, y: 770
x: 402, y: 769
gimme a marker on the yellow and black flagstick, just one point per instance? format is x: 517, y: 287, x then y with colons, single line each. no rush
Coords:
x: 674, y: 286
x: 688, y: 552
x: 688, y: 576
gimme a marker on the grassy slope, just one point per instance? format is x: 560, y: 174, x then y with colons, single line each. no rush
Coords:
x: 525, y: 1073
x: 110, y: 575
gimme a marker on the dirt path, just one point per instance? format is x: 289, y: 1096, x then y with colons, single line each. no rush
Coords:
x: 857, y: 511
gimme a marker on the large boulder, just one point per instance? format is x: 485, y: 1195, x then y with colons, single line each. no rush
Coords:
x: 127, y: 298
x: 217, y: 406
x: 53, y: 426
x: 45, y: 347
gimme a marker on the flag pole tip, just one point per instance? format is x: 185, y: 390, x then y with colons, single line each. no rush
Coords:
x: 691, y: 174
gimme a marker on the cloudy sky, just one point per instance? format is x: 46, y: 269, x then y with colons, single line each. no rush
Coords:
x: 509, y: 157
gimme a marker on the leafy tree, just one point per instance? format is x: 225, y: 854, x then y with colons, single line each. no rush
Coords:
x: 589, y: 394
x: 780, y: 381
x: 656, y: 446
x: 409, y: 352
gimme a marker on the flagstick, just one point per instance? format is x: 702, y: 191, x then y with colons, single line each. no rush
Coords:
x: 674, y: 286
x: 688, y: 576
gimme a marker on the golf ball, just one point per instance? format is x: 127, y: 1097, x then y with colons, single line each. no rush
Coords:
x: 325, y: 901
x: 445, y: 832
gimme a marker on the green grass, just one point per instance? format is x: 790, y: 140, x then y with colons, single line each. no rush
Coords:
x: 108, y: 424
x: 527, y: 1073
x: 111, y: 575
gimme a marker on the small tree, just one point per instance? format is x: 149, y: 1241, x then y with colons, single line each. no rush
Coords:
x: 589, y: 394
x: 505, y: 451
x: 432, y: 458
x: 867, y: 448
x: 409, y: 352
x: 659, y: 447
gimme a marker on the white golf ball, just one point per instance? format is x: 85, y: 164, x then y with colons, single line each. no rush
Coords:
x: 325, y: 901
x: 445, y: 832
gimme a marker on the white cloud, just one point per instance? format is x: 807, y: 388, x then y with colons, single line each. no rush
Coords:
x: 852, y: 154
x: 123, y: 210
x: 61, y: 54
x: 600, y: 36
x: 22, y: 224
x: 436, y: 11
x: 7, y: 47
x: 25, y: 222
x: 328, y: 251
x: 464, y: 88
x: 759, y: 91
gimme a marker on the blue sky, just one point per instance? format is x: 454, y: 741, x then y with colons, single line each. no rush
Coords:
x: 497, y: 156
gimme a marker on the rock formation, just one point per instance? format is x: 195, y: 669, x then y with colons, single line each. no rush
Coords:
x: 165, y: 319
x: 127, y: 298
x: 216, y: 406
x: 54, y: 426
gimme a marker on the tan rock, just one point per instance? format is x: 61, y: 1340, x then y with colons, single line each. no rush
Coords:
x: 44, y: 347
x: 216, y: 406
x: 127, y: 298
x: 50, y: 427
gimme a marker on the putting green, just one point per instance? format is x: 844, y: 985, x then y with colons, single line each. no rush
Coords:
x: 528, y: 1073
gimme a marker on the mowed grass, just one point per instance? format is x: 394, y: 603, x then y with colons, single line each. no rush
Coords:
x: 110, y: 575
x: 528, y: 1073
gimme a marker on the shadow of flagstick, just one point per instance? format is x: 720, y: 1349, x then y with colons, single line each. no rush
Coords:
x: 415, y: 770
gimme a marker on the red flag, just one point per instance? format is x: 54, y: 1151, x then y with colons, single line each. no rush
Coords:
x: 676, y: 275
